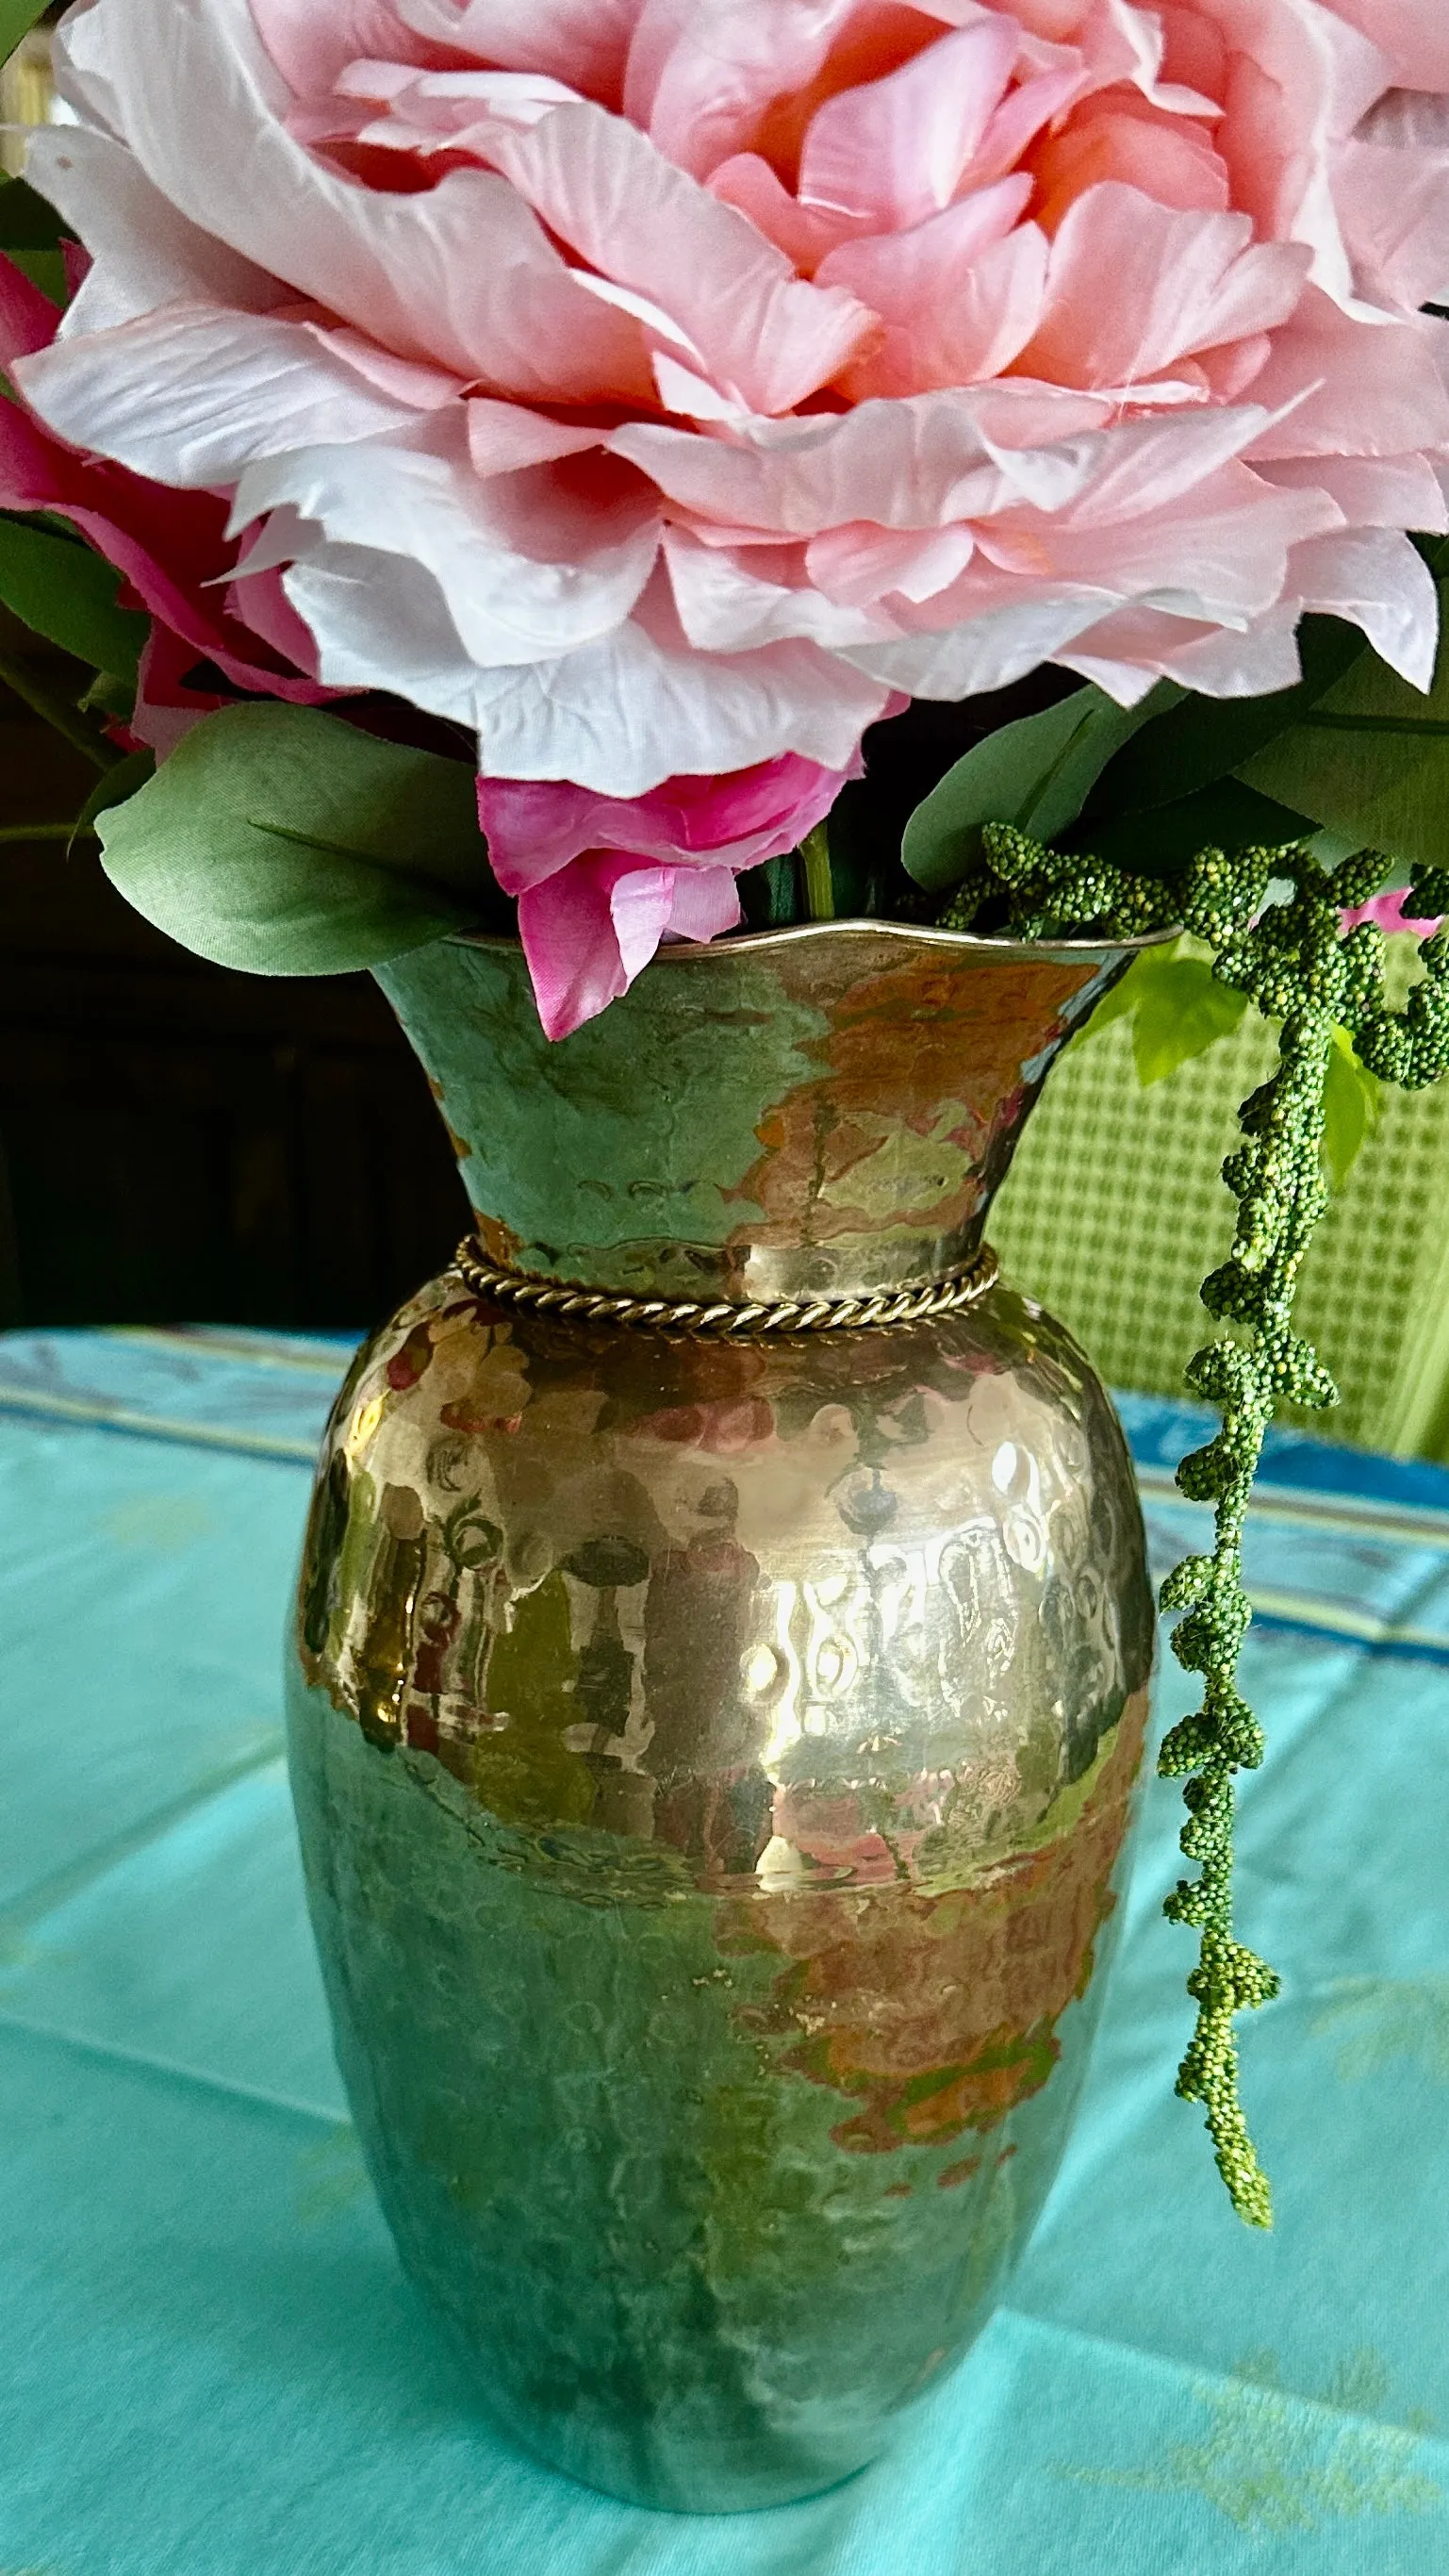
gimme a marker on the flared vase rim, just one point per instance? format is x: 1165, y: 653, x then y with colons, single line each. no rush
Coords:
x: 755, y: 943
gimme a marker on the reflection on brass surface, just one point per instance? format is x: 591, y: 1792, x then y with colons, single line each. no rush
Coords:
x: 850, y: 1612
x: 713, y: 1756
x: 824, y: 1111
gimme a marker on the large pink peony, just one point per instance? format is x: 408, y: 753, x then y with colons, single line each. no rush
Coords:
x: 657, y: 385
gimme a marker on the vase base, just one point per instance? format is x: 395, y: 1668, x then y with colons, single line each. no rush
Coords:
x: 668, y: 2471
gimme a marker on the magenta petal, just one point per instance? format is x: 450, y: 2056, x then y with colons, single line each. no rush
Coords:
x: 1386, y: 912
x: 778, y: 802
x: 535, y: 827
x: 588, y: 930
x: 640, y: 901
x: 166, y: 708
x: 706, y: 901
x: 171, y: 547
x: 260, y: 604
x: 572, y: 948
x: 28, y: 319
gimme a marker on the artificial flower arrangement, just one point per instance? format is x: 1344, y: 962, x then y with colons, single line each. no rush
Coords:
x: 611, y: 471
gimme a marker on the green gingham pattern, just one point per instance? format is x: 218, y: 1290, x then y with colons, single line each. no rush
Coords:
x: 1114, y: 1213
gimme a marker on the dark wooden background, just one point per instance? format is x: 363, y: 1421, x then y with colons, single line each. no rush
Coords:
x: 178, y: 1143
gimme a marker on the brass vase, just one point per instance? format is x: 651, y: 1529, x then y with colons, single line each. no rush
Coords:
x: 713, y: 1750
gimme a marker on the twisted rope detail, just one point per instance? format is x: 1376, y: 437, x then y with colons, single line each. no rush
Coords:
x: 569, y: 1302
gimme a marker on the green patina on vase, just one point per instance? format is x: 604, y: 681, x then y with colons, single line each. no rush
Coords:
x: 713, y: 1758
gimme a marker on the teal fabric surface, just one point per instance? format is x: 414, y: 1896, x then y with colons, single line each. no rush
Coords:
x: 213, y: 2365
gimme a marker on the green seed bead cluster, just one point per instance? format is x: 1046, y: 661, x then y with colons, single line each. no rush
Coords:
x: 1052, y: 894
x: 1293, y: 961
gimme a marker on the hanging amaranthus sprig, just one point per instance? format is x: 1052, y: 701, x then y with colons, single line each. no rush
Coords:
x: 1293, y: 961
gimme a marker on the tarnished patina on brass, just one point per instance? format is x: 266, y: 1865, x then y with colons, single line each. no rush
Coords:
x: 879, y: 1075
x: 713, y: 1760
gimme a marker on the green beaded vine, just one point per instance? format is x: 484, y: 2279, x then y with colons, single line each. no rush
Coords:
x: 1291, y: 958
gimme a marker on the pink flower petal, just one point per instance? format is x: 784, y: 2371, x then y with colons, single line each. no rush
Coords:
x: 896, y: 150
x: 976, y: 325
x: 403, y: 268
x: 640, y: 901
x: 535, y: 829
x: 1127, y: 652
x: 572, y: 947
x: 606, y: 190
x: 1413, y: 33
x: 260, y: 604
x: 1394, y: 206
x: 803, y: 233
x: 171, y: 547
x: 583, y: 42
x: 1386, y: 912
x: 311, y: 47
x: 1181, y: 281
x: 655, y: 385
x: 1377, y: 580
x: 27, y: 318
x: 590, y: 929
x: 1340, y: 405
x: 899, y: 273
x: 700, y: 80
x: 1371, y: 491
x: 193, y: 394
x: 704, y: 904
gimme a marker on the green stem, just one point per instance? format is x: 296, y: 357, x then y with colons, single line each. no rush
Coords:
x: 45, y: 832
x: 819, y: 883
x: 58, y: 711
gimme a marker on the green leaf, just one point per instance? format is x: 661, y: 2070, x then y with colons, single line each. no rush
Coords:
x: 45, y: 269
x: 56, y: 586
x: 1066, y: 788
x: 1177, y: 1007
x: 285, y: 842
x: 1203, y: 739
x: 113, y: 788
x: 1370, y: 761
x: 110, y: 695
x: 999, y: 780
x: 31, y: 233
x: 1035, y: 773
x: 1118, y: 1004
x: 1224, y: 816
x: 28, y: 221
x: 17, y: 17
x: 1353, y: 1103
x: 1178, y: 1010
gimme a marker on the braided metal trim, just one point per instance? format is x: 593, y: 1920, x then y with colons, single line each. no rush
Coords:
x: 569, y: 1303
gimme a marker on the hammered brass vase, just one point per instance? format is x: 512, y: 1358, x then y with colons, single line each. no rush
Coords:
x: 713, y: 1748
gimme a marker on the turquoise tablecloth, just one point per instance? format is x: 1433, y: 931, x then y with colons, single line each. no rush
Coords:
x: 212, y: 2365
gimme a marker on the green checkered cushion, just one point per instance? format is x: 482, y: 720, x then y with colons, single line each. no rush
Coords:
x: 1114, y: 1213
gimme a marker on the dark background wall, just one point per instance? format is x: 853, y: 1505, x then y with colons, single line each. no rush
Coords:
x: 177, y: 1142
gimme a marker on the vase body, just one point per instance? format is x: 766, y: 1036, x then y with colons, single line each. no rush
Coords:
x: 713, y: 1758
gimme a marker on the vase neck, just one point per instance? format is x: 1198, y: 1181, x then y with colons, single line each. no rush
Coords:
x: 822, y: 1113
